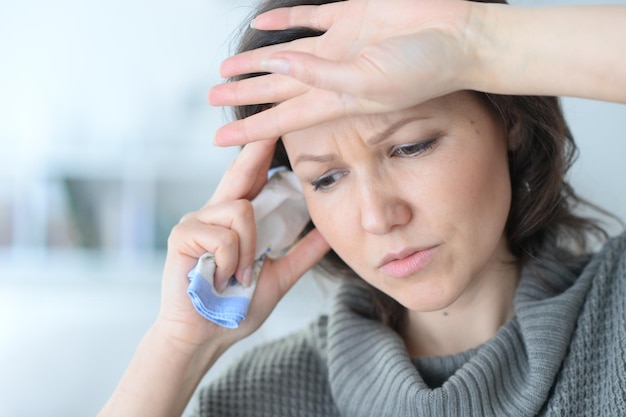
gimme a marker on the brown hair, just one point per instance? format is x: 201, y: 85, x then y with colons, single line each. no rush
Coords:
x: 542, y: 217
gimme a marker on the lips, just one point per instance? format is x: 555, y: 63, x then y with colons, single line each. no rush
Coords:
x: 406, y: 262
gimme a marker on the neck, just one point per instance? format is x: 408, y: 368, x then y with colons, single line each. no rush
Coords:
x: 469, y: 321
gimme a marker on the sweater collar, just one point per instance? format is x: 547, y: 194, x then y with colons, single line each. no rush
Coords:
x: 371, y: 373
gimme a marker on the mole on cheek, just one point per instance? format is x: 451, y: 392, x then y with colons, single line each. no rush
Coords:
x: 476, y: 129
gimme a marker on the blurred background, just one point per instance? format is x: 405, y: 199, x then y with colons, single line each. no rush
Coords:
x: 105, y: 142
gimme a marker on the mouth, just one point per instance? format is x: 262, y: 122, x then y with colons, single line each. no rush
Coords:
x: 406, y: 262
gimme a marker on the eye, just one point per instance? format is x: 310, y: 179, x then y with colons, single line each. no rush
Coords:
x: 412, y: 149
x: 327, y: 181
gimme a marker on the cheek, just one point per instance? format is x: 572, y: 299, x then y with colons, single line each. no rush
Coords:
x: 480, y: 194
x: 336, y: 217
x: 331, y: 217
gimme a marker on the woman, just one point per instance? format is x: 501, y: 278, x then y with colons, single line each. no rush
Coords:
x: 470, y: 285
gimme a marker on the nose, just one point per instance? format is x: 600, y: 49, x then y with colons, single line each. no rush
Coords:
x: 382, y: 208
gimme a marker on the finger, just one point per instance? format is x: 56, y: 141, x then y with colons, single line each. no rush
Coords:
x: 247, y: 173
x: 351, y: 76
x: 249, y: 62
x: 190, y: 240
x: 303, y: 256
x: 289, y: 116
x: 237, y: 216
x: 271, y: 88
x: 367, y: 83
x: 315, y: 17
x: 278, y: 276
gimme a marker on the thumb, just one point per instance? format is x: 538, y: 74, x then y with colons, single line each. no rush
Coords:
x: 304, y: 255
x: 281, y: 274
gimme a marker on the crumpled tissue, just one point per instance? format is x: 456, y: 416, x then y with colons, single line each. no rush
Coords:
x: 280, y: 214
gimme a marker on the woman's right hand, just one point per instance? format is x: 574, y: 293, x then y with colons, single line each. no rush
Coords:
x: 225, y: 227
x: 182, y: 345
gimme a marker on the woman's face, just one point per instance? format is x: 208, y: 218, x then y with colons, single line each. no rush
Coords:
x: 414, y: 201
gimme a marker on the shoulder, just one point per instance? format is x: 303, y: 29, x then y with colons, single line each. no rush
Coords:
x: 608, y: 265
x: 284, y: 377
x: 600, y: 328
x: 606, y: 274
x: 595, y: 365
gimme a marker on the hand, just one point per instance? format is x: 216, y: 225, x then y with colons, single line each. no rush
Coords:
x: 225, y: 227
x: 375, y: 56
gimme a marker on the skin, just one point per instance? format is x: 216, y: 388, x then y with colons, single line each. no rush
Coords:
x: 381, y: 196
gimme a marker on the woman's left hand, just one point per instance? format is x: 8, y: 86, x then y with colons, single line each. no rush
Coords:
x: 375, y: 56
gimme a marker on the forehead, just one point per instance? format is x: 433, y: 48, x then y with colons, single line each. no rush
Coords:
x: 452, y: 108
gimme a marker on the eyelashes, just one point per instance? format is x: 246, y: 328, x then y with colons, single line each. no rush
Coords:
x: 410, y: 150
x: 328, y: 180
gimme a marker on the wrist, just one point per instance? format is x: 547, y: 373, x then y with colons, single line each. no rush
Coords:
x: 485, y: 46
x: 173, y: 339
x: 162, y: 376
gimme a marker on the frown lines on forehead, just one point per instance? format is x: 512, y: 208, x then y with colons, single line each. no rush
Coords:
x: 380, y: 137
x: 372, y: 141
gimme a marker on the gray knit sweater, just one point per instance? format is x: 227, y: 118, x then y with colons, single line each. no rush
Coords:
x: 562, y: 354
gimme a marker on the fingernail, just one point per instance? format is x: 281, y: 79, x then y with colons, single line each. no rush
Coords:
x: 246, y: 279
x: 275, y: 65
x: 252, y: 24
x: 223, y: 286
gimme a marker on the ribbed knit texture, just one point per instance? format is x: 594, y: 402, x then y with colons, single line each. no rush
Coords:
x: 562, y: 354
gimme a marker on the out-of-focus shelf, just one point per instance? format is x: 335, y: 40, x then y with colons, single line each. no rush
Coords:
x: 120, y: 204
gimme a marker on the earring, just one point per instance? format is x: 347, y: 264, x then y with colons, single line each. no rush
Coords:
x: 527, y: 186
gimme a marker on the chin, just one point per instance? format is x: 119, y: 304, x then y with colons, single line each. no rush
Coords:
x: 426, y: 297
x: 426, y: 306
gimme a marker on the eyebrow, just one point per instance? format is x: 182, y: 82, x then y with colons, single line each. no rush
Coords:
x: 373, y: 141
x: 314, y: 158
x: 380, y: 137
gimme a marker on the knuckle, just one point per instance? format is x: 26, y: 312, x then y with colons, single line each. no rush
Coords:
x: 175, y: 234
x: 188, y: 217
x: 230, y: 239
x: 244, y: 208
